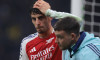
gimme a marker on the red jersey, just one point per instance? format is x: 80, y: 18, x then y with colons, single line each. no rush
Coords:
x: 35, y: 48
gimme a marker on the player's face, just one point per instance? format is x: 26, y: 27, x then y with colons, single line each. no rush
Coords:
x: 40, y: 22
x: 63, y: 40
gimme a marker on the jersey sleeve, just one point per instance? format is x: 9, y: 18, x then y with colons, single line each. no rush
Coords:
x: 58, y: 15
x: 23, y: 54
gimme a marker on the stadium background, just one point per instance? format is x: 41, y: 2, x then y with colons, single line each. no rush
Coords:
x: 15, y: 21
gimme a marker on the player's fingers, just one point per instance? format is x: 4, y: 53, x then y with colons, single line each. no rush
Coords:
x: 35, y: 7
x: 38, y: 4
x: 40, y: 0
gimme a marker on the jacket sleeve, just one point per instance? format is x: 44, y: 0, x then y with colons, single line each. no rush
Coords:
x: 89, y: 54
x: 23, y: 54
x: 58, y: 15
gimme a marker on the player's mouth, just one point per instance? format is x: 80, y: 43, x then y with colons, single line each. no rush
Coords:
x: 39, y: 27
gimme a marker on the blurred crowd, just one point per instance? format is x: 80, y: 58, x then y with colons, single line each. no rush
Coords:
x: 15, y: 24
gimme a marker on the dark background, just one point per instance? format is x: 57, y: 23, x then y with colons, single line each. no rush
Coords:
x: 15, y: 24
x: 92, y: 16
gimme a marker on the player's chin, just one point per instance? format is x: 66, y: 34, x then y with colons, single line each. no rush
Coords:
x: 62, y: 48
x: 40, y: 31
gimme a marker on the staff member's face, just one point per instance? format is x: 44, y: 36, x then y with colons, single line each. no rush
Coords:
x: 63, y: 40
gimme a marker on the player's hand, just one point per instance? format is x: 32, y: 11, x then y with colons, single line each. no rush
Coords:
x: 42, y: 6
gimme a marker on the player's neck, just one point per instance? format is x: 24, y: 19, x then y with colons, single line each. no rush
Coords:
x: 46, y: 34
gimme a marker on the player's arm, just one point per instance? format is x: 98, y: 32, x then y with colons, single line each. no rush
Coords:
x: 45, y: 8
x: 58, y: 15
x: 23, y: 55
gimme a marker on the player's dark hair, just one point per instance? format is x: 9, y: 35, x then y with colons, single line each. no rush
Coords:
x: 35, y: 11
x: 68, y: 24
